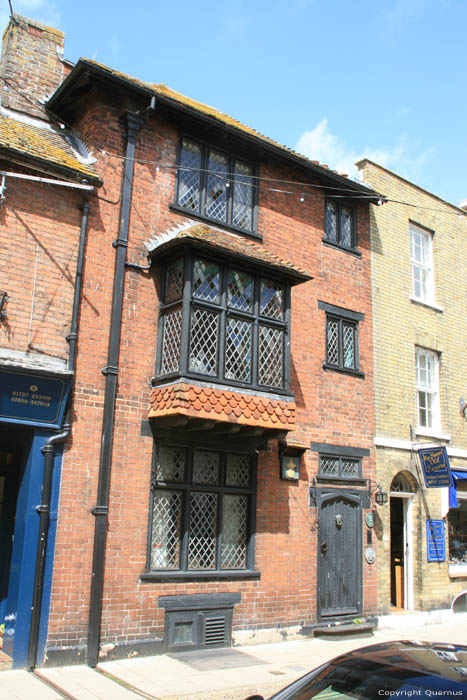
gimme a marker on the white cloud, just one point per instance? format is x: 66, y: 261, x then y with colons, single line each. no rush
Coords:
x: 323, y: 145
x: 45, y: 11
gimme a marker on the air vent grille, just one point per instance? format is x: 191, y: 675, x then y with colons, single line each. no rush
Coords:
x: 214, y: 630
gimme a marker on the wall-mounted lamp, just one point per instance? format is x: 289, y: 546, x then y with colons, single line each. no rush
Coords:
x: 381, y: 497
x: 289, y: 460
x: 4, y: 298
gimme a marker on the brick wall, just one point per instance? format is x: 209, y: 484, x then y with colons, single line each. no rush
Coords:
x: 399, y: 326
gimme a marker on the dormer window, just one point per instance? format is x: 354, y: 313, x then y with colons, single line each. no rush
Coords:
x: 216, y: 185
x: 222, y: 322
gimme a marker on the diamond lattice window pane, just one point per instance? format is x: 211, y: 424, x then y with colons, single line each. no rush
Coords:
x: 174, y: 281
x: 206, y: 467
x: 240, y: 290
x: 170, y: 464
x: 216, y: 195
x: 238, y: 350
x: 332, y: 342
x: 234, y: 532
x: 203, y: 342
x: 329, y: 466
x: 346, y: 227
x: 238, y: 471
x: 202, y: 539
x: 189, y: 176
x: 348, y: 344
x: 166, y: 529
x: 272, y: 299
x: 171, y: 341
x: 206, y: 281
x: 271, y: 355
x: 243, y: 196
x: 331, y: 221
x: 350, y: 467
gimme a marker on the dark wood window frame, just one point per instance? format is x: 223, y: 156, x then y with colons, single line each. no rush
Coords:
x: 336, y: 240
x: 200, y: 211
x: 187, y: 486
x: 341, y: 319
x: 188, y: 303
x: 340, y: 453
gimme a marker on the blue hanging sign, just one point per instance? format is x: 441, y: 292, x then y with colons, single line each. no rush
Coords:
x: 435, y: 540
x: 33, y: 399
x: 435, y: 467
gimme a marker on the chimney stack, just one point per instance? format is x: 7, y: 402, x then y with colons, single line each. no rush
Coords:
x: 30, y: 66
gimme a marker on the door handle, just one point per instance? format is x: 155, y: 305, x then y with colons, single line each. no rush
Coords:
x: 324, y: 548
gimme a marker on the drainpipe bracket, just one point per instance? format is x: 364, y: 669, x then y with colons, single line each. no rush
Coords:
x: 42, y: 509
x: 110, y: 369
x: 120, y: 242
x: 99, y: 510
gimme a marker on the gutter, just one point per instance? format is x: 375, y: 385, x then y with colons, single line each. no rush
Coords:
x: 48, y: 451
x: 100, y: 510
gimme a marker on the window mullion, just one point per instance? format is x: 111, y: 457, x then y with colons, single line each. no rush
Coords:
x: 203, y: 179
x: 230, y: 191
x: 222, y: 322
x: 340, y: 342
x: 220, y: 506
x: 287, y: 340
x: 186, y: 313
x: 255, y: 339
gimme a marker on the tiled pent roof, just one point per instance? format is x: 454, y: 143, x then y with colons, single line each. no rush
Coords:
x: 46, y: 145
x: 222, y: 405
x: 232, y: 243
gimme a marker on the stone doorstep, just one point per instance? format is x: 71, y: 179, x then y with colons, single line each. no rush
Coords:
x: 339, y: 631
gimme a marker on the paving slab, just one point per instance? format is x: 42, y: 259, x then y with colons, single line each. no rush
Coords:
x: 84, y: 683
x: 23, y: 685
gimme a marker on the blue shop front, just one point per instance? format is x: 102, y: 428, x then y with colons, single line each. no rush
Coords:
x: 32, y: 409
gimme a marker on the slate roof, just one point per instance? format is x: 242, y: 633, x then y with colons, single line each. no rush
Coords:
x: 232, y: 243
x: 222, y: 405
x: 48, y: 147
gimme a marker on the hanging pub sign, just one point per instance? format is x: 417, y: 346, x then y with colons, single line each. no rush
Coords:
x: 435, y: 541
x: 435, y: 467
x: 33, y: 399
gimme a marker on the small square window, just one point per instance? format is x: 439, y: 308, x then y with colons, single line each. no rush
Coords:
x: 340, y: 224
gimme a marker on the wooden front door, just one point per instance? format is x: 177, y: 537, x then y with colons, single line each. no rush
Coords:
x: 339, y: 556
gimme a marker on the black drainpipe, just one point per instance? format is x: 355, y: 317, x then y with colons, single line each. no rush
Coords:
x: 48, y: 451
x: 100, y: 510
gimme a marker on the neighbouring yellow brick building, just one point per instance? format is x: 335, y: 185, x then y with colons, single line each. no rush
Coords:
x: 419, y: 288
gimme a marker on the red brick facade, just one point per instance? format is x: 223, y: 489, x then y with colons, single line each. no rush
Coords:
x: 329, y: 407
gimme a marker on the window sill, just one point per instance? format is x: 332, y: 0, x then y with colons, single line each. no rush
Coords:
x: 429, y: 432
x: 352, y: 251
x: 343, y: 370
x: 214, y: 222
x: 457, y: 570
x: 170, y: 576
x: 429, y: 305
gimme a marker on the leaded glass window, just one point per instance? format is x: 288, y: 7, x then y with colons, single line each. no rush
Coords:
x: 331, y: 466
x: 201, y: 505
x: 216, y: 185
x: 234, y: 321
x: 340, y: 224
x: 341, y: 343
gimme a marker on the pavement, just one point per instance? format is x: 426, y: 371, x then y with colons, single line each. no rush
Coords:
x: 217, y: 674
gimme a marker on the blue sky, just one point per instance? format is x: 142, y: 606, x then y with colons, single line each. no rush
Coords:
x: 335, y: 79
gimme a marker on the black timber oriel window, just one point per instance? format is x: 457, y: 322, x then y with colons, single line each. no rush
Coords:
x: 342, y: 348
x: 202, y: 515
x: 216, y: 185
x: 225, y: 323
x: 340, y: 226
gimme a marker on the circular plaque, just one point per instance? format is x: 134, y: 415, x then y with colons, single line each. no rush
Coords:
x: 370, y: 555
x: 369, y: 519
